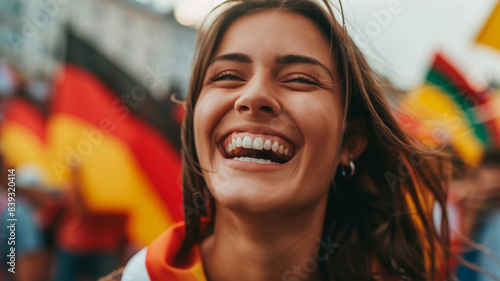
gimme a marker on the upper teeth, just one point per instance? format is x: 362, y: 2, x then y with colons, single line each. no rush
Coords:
x: 275, y: 146
x: 267, y: 145
x: 258, y: 143
x: 247, y: 142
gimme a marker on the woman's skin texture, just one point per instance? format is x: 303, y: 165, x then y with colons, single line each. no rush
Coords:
x: 271, y: 78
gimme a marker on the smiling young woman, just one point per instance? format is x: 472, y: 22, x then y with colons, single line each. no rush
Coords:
x: 294, y: 167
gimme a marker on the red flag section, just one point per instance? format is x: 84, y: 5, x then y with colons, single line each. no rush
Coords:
x: 25, y: 114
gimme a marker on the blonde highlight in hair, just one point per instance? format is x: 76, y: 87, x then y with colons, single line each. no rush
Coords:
x: 382, y: 217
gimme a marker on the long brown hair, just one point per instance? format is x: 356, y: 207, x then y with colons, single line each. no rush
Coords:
x: 380, y: 218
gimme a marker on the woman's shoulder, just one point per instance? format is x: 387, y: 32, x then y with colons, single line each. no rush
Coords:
x: 161, y: 260
x: 136, y: 269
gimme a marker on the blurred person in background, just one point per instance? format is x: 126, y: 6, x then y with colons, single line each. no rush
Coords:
x: 10, y: 81
x: 32, y: 260
x: 481, y: 219
x: 38, y: 90
x: 88, y: 244
x: 13, y: 83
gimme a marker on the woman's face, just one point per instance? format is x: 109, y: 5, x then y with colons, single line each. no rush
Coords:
x: 267, y: 122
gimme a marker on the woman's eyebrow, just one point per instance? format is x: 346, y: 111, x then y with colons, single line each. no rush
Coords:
x: 238, y: 57
x: 293, y: 59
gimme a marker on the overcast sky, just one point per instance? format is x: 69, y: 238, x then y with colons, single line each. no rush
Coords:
x: 402, y: 46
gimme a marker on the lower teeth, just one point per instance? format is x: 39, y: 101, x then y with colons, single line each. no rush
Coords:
x: 254, y: 160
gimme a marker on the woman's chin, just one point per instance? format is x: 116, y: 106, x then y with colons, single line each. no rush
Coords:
x: 250, y: 198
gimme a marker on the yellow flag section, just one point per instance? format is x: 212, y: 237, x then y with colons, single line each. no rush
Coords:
x: 22, y: 137
x: 430, y: 106
x: 490, y: 34
x: 112, y: 181
x: 20, y: 145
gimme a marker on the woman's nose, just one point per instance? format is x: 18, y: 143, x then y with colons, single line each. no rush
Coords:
x: 258, y: 98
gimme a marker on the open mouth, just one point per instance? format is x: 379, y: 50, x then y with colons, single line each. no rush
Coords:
x: 257, y: 148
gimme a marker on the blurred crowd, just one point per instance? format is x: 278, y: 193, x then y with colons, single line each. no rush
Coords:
x: 474, y: 210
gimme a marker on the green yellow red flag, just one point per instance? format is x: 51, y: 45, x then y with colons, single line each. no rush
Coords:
x: 446, y: 110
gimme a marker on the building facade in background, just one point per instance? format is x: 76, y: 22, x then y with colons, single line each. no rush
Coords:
x: 30, y: 35
x: 134, y: 36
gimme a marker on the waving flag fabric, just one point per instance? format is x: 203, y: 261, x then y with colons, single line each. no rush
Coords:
x: 489, y: 35
x: 125, y: 144
x: 22, y: 135
x: 444, y: 76
x: 126, y: 165
x: 451, y: 111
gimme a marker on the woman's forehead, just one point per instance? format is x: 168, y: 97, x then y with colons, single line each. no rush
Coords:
x: 274, y: 33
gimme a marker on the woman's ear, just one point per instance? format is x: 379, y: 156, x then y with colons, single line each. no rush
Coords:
x: 356, y: 141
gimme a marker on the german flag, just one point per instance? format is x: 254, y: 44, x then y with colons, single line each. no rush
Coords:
x: 125, y: 143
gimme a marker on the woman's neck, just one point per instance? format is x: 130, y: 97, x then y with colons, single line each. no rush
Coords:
x: 270, y: 247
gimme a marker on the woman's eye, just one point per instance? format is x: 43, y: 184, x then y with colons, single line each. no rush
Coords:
x: 225, y: 76
x: 303, y: 79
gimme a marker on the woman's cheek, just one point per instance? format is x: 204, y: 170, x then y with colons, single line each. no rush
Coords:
x: 209, y: 110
